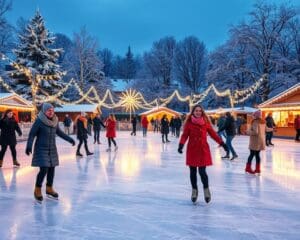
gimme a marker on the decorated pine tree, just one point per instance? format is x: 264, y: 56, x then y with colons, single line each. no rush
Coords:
x: 34, y: 55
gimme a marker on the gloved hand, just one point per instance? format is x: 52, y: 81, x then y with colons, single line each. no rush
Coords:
x: 224, y: 146
x: 72, y: 142
x: 180, y: 147
x: 28, y: 151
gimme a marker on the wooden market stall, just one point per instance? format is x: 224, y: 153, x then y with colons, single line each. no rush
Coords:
x: 284, y: 108
x: 22, y: 109
x: 158, y: 112
x: 73, y: 110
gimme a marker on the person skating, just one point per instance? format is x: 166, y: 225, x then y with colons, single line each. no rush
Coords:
x: 67, y: 124
x: 270, y: 125
x: 177, y: 122
x: 145, y: 123
x: 45, y: 156
x: 111, y: 124
x: 297, y: 128
x: 82, y: 134
x: 230, y: 129
x: 9, y: 127
x: 164, y: 128
x: 133, y: 122
x: 257, y: 142
x: 198, y: 155
x: 97, y: 123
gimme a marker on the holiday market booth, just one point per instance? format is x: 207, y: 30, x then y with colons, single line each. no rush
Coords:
x: 73, y: 110
x: 241, y: 114
x: 158, y: 112
x: 22, y: 109
x: 284, y: 108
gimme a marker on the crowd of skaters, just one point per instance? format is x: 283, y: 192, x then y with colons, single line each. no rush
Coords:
x: 197, y: 127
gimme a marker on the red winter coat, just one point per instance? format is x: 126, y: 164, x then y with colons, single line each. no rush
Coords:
x: 198, y: 152
x: 144, y: 122
x: 297, y: 123
x: 110, y: 128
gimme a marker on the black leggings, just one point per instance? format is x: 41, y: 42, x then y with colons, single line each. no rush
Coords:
x: 97, y: 135
x: 252, y: 154
x: 111, y: 140
x: 203, y: 175
x: 49, y: 171
x: 12, y: 149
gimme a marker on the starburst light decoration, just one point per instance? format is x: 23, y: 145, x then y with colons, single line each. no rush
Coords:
x: 130, y: 100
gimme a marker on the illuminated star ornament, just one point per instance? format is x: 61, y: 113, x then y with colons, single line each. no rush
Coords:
x: 131, y: 100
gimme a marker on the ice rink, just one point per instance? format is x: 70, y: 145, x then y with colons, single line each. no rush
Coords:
x: 142, y: 191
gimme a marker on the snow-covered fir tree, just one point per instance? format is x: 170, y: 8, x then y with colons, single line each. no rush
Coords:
x: 33, y: 52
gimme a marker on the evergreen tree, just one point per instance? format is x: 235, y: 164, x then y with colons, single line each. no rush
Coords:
x: 34, y: 53
x: 129, y: 65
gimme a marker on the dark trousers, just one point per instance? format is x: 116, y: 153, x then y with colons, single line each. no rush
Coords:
x: 252, y: 154
x: 49, y: 171
x: 97, y: 135
x: 164, y: 136
x: 177, y: 132
x: 297, y: 135
x: 111, y: 140
x: 269, y: 136
x: 229, y: 139
x: 203, y: 175
x: 83, y: 140
x: 12, y: 149
x: 133, y: 130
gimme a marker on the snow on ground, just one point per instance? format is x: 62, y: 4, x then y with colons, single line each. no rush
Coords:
x: 142, y: 191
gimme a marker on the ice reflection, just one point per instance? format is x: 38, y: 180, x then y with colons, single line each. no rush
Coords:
x: 130, y: 164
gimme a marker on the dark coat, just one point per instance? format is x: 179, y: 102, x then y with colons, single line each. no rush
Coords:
x: 8, y: 131
x: 67, y: 122
x: 198, y: 151
x: 270, y: 122
x: 164, y: 126
x: 45, y: 151
x: 229, y: 126
x: 82, y: 132
x: 177, y: 123
x: 97, y: 123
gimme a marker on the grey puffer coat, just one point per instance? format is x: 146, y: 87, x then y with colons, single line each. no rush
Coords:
x: 45, y: 151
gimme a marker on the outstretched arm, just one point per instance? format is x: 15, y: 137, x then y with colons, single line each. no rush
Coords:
x: 64, y: 136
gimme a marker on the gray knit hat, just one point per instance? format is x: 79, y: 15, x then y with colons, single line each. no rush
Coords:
x: 46, y: 106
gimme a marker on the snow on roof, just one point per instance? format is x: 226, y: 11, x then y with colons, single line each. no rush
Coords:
x: 119, y: 85
x: 280, y: 95
x: 77, y: 108
x: 5, y: 95
x: 235, y: 110
x: 156, y: 109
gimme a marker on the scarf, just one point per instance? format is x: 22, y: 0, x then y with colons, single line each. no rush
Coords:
x: 84, y: 121
x: 48, y: 122
x: 199, y: 121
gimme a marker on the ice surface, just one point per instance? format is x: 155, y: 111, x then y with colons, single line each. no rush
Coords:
x: 142, y: 191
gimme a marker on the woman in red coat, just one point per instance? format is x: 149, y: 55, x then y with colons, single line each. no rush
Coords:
x: 111, y: 131
x: 198, y: 155
x: 145, y: 125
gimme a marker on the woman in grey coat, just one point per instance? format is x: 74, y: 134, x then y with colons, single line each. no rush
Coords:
x: 45, y: 153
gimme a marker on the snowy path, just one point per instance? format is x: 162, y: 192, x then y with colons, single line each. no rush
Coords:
x: 143, y: 192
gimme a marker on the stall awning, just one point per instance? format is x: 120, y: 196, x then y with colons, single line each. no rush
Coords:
x: 91, y: 108
x: 14, y: 101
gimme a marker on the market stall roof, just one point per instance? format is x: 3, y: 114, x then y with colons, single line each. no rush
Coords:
x: 242, y: 110
x: 77, y: 108
x: 15, y: 101
x: 293, y: 93
x: 161, y: 109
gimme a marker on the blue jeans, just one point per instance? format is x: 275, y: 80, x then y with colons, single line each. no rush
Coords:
x: 144, y: 132
x: 229, y: 139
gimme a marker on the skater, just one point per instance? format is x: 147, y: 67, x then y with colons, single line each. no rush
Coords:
x: 177, y: 123
x: 145, y: 123
x: 133, y: 122
x: 220, y: 125
x: 270, y: 125
x: 230, y: 129
x: 198, y: 156
x: 257, y: 141
x: 172, y: 126
x: 9, y: 127
x: 97, y: 123
x: 82, y: 134
x: 67, y: 124
x: 297, y: 128
x: 156, y: 125
x: 45, y: 154
x: 164, y: 128
x: 111, y: 132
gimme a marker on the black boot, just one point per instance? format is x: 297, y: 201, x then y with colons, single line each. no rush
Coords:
x: 78, y: 154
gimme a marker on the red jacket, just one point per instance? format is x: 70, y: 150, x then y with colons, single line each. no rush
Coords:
x: 198, y: 152
x: 297, y: 123
x: 110, y: 128
x: 144, y: 122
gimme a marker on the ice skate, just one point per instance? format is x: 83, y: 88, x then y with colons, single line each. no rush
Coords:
x: 38, y: 194
x: 51, y: 193
x: 194, y: 195
x: 207, y: 195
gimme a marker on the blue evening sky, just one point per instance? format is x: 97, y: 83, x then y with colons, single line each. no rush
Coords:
x: 119, y: 23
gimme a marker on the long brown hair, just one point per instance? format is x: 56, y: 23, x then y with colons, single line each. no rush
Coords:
x: 206, y: 118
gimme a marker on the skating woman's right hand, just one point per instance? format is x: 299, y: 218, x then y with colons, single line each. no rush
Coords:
x: 180, y: 147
